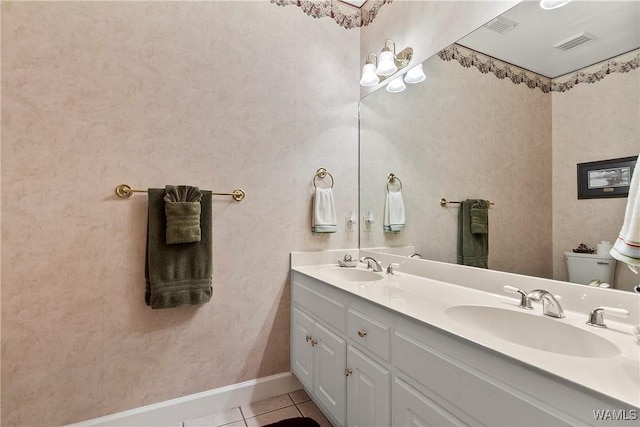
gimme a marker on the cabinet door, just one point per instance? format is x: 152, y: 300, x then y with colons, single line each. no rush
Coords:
x: 368, y: 390
x: 301, y: 349
x: 329, y: 375
x: 412, y: 408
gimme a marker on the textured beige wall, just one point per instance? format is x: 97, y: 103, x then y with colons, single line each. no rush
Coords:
x: 592, y: 122
x: 221, y: 95
x: 462, y: 134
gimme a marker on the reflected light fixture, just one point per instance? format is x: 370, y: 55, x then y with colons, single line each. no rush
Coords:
x: 388, y: 62
x: 552, y: 4
x: 415, y: 75
x: 396, y: 85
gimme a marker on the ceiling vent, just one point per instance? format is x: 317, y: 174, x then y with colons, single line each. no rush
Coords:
x: 501, y: 25
x: 574, y: 41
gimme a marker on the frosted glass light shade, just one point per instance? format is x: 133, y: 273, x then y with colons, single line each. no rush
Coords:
x: 415, y: 75
x: 369, y: 76
x: 386, y: 64
x: 552, y: 4
x: 396, y: 85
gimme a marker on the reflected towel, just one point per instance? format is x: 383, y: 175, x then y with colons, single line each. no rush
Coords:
x: 627, y: 246
x: 394, y: 215
x: 182, y: 208
x: 177, y: 275
x: 480, y: 217
x: 473, y: 249
x: 324, y: 212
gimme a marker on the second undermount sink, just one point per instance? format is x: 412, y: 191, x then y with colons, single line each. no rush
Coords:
x: 534, y: 331
x: 352, y: 274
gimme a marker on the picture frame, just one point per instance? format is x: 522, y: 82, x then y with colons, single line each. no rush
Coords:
x: 605, y: 178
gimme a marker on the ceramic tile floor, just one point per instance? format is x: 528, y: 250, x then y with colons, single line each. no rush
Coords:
x: 258, y: 414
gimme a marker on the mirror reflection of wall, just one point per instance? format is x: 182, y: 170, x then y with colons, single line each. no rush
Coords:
x: 466, y: 134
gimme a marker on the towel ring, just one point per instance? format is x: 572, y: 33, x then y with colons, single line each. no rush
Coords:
x: 322, y: 173
x: 392, y: 179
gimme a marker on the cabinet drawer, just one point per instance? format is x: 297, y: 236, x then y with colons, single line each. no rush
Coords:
x: 465, y: 388
x: 370, y: 334
x: 325, y: 307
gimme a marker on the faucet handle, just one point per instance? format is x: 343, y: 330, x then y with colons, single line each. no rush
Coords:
x: 596, y: 317
x: 391, y: 267
x: 525, y: 301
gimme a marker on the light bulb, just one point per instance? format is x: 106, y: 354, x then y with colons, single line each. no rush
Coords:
x: 386, y: 64
x: 552, y: 4
x: 396, y: 85
x: 415, y: 75
x: 369, y: 76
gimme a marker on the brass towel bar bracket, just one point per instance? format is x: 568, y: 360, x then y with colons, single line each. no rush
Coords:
x: 124, y: 191
x: 391, y: 179
x: 444, y: 202
x: 322, y: 173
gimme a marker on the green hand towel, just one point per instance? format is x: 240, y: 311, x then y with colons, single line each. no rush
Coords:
x: 177, y: 274
x: 182, y: 209
x: 473, y: 249
x: 480, y: 217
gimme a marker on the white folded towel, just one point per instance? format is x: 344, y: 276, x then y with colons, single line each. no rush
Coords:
x: 627, y: 246
x: 324, y: 212
x: 394, y: 219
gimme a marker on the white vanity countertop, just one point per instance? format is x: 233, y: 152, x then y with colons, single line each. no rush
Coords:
x: 427, y: 299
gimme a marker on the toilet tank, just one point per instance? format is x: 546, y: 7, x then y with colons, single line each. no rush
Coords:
x: 584, y: 268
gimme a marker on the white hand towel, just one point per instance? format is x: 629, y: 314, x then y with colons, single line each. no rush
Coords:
x: 394, y: 219
x: 627, y: 246
x: 324, y: 212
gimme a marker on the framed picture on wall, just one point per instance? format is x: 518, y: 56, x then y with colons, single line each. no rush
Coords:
x: 605, y: 178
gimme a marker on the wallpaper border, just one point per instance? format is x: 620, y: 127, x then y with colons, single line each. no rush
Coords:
x: 345, y: 15
x: 503, y: 70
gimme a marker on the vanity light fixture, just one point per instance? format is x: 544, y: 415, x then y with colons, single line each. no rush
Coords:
x: 415, y: 75
x: 387, y: 63
x: 552, y: 4
x: 396, y: 85
x: 369, y: 76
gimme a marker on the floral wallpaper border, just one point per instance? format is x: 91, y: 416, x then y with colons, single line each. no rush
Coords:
x: 486, y: 64
x: 594, y: 73
x: 344, y: 14
x: 502, y: 70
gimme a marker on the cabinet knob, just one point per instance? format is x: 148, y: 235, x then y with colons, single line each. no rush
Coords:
x: 362, y: 334
x: 314, y: 343
x: 348, y: 371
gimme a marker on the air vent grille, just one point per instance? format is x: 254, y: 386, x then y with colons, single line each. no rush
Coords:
x: 501, y: 25
x: 574, y: 41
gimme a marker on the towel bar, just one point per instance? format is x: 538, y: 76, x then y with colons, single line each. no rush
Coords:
x: 124, y: 191
x: 444, y: 202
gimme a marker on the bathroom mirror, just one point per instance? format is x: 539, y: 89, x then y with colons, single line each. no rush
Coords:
x: 464, y: 133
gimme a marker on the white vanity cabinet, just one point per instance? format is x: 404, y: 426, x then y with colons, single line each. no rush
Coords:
x: 369, y: 379
x: 367, y: 365
x: 318, y: 349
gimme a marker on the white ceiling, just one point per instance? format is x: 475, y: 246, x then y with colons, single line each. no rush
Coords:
x: 356, y: 3
x: 615, y: 24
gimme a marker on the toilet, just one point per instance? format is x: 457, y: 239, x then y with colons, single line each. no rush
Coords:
x: 583, y: 268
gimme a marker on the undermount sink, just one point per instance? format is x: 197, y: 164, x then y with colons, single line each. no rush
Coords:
x: 534, y: 331
x: 352, y: 274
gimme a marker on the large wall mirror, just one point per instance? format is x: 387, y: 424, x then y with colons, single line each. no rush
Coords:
x: 470, y: 132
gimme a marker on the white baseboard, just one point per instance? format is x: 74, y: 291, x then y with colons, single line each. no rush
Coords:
x: 174, y: 411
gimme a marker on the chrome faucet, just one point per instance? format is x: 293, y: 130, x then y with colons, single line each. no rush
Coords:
x: 550, y: 305
x: 372, y: 264
x: 596, y: 317
x: 525, y: 301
